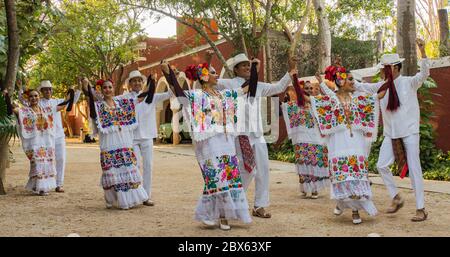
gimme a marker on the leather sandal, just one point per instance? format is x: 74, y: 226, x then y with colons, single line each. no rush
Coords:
x: 224, y: 224
x: 397, y: 203
x: 356, y: 218
x: 149, y: 203
x: 59, y: 189
x: 260, y: 212
x: 421, y: 215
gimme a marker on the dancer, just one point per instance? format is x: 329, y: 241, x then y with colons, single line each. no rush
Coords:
x: 115, y: 118
x: 212, y: 115
x: 348, y: 120
x: 36, y: 130
x: 146, y: 130
x: 251, y: 145
x: 401, y: 120
x: 311, y: 152
x: 46, y: 88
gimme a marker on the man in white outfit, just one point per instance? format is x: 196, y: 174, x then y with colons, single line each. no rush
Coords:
x: 240, y: 65
x: 402, y: 123
x: 46, y: 88
x: 146, y: 130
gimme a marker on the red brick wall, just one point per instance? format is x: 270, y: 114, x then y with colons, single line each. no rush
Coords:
x: 442, y: 110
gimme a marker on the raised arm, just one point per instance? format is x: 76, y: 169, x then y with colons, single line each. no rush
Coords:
x: 69, y: 101
x: 324, y: 86
x: 267, y: 89
x: 418, y: 79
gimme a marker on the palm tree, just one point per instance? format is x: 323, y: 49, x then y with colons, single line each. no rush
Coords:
x: 406, y: 35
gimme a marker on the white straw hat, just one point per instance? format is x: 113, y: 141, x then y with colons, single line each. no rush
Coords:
x: 45, y: 84
x: 390, y: 59
x: 135, y: 74
x: 233, y: 61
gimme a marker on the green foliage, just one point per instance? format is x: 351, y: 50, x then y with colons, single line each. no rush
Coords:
x: 7, y: 123
x: 343, y: 14
x: 355, y: 53
x: 284, y: 153
x: 34, y: 22
x: 93, y: 39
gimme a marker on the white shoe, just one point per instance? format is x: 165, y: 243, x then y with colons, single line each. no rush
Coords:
x: 224, y: 225
x: 337, y: 211
x: 314, y: 195
x: 109, y: 206
x: 209, y: 223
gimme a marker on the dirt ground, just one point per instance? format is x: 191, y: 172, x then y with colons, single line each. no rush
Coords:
x: 177, y: 184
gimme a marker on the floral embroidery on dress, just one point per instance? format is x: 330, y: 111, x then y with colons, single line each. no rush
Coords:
x: 311, y: 154
x: 41, y: 154
x: 330, y: 113
x: 350, y: 167
x: 299, y: 116
x: 221, y: 174
x: 311, y: 179
x: 117, y: 158
x: 124, y: 114
x: 123, y: 187
x: 209, y: 113
x: 364, y: 107
x: 32, y: 122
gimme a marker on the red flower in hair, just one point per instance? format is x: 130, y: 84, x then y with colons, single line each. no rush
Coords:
x: 330, y: 71
x: 190, y: 72
x: 100, y: 82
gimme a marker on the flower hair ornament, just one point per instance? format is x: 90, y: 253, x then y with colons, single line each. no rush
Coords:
x: 100, y: 82
x: 198, y: 72
x: 336, y: 74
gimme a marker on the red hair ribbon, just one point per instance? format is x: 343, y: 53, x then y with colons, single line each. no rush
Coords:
x: 298, y: 90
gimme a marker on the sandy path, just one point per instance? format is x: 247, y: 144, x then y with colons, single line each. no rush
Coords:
x: 177, y: 184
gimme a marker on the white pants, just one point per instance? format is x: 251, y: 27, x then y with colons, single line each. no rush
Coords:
x: 387, y: 158
x: 60, y: 159
x: 143, y: 149
x: 260, y: 173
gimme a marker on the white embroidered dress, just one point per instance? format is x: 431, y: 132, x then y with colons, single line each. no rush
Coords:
x: 347, y: 148
x: 121, y: 180
x: 212, y: 121
x: 311, y: 153
x: 37, y: 133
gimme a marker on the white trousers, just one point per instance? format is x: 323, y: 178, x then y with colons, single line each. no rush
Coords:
x: 60, y: 159
x: 143, y: 149
x: 387, y: 158
x: 260, y: 173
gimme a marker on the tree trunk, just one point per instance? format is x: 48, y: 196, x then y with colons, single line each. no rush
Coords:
x: 324, y: 35
x: 444, y: 30
x: 4, y: 158
x: 406, y: 35
x: 13, y: 46
x: 379, y: 45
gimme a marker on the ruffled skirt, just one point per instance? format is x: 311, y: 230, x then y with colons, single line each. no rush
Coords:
x: 231, y: 204
x: 355, y: 195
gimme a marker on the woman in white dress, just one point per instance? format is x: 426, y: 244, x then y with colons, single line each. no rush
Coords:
x: 311, y: 153
x: 212, y: 115
x: 115, y: 120
x: 350, y: 123
x: 36, y: 130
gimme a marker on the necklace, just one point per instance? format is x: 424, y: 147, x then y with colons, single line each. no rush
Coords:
x: 346, y: 102
x: 214, y: 93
